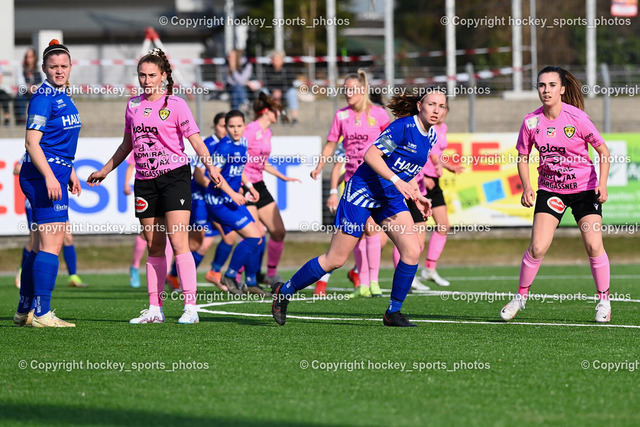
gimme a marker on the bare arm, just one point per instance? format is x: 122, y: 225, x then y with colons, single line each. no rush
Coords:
x: 32, y: 144
x: 118, y: 157
x: 528, y: 195
x: 275, y: 172
x: 327, y: 150
x: 373, y: 157
x: 601, y: 189
x: 203, y: 152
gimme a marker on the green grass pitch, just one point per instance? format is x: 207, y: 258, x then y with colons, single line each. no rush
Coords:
x: 333, y: 363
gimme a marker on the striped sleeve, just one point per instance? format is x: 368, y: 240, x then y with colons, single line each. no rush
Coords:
x: 39, y: 111
x: 386, y: 141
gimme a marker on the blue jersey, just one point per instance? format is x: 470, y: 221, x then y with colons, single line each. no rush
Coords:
x: 53, y: 112
x: 406, y: 150
x: 197, y: 190
x: 230, y: 157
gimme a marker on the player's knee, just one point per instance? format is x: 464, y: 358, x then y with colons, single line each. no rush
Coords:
x: 335, y: 261
x: 410, y: 255
x: 537, y: 251
x: 594, y: 249
x: 278, y: 235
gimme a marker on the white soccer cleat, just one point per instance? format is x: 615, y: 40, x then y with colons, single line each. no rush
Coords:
x: 190, y: 315
x: 418, y: 285
x: 603, y: 311
x: 149, y: 315
x: 433, y: 275
x: 271, y: 280
x: 512, y: 308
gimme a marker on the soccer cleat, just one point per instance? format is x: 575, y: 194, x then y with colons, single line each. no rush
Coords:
x: 603, y: 311
x: 17, y: 281
x: 174, y: 283
x: 510, y: 310
x: 321, y: 289
x: 257, y: 290
x: 50, y: 320
x: 270, y: 280
x: 374, y: 287
x: 149, y: 316
x: 190, y: 315
x: 23, y: 319
x: 433, y: 275
x: 233, y: 287
x: 397, y: 319
x: 418, y: 285
x: 134, y: 277
x: 279, y: 304
x: 354, y: 277
x: 361, y: 291
x: 215, y: 277
x: 76, y: 282
x: 260, y: 277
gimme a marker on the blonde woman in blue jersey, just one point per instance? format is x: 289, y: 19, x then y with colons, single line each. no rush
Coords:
x: 378, y: 189
x: 53, y: 126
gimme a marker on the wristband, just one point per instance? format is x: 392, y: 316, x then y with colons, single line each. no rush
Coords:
x: 394, y: 179
x: 248, y: 185
x: 333, y: 191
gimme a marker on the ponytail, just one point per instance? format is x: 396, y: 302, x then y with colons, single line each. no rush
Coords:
x: 572, y: 93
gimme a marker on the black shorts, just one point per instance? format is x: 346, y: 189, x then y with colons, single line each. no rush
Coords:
x: 265, y: 196
x: 415, y: 212
x: 168, y: 192
x: 435, y: 194
x: 581, y: 204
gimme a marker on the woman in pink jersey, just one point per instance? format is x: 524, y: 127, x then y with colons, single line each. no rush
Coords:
x: 265, y: 211
x: 156, y: 123
x: 359, y: 124
x: 562, y: 133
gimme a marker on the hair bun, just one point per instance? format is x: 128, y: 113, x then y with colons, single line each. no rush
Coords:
x: 54, y: 41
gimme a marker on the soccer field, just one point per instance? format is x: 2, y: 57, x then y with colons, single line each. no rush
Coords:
x: 333, y: 363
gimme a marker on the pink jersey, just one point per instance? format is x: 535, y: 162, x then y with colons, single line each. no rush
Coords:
x: 259, y: 150
x: 565, y: 166
x: 157, y: 133
x: 358, y: 133
x: 441, y: 145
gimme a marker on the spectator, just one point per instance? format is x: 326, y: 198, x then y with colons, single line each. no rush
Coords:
x: 5, y: 99
x: 30, y: 78
x: 279, y: 85
x: 238, y: 79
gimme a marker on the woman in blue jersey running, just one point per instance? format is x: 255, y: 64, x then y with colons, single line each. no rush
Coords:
x: 378, y: 189
x: 53, y: 127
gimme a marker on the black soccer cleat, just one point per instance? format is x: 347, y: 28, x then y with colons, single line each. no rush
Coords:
x: 397, y: 319
x: 279, y: 305
x: 233, y: 287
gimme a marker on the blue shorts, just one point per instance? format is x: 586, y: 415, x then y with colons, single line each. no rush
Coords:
x: 34, y: 188
x: 351, y: 219
x: 230, y: 216
x: 200, y: 217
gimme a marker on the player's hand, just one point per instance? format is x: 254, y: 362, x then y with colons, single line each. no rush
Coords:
x: 291, y: 179
x: 54, y: 190
x: 96, y: 178
x: 332, y: 203
x: 238, y: 199
x: 407, y: 190
x: 255, y: 196
x: 429, y: 183
x: 74, y: 184
x: 424, y: 205
x: 456, y: 168
x: 528, y: 197
x: 315, y: 173
x: 127, y: 189
x: 601, y: 192
x: 438, y: 169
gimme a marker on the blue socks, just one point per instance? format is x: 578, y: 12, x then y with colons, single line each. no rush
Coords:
x: 69, y: 253
x: 26, y: 284
x: 197, y: 258
x: 402, y: 279
x: 220, y: 257
x: 248, y: 247
x: 45, y: 270
x: 25, y: 254
x: 310, y: 273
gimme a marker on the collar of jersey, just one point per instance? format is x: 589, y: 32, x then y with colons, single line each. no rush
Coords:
x: 415, y: 119
x: 59, y: 90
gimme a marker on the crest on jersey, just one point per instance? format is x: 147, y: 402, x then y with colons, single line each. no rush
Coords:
x: 343, y: 115
x: 532, y: 122
x: 551, y: 132
x: 164, y: 114
x: 569, y: 131
x: 372, y: 122
x: 147, y: 111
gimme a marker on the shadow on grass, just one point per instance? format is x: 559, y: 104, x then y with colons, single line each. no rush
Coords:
x: 42, y: 414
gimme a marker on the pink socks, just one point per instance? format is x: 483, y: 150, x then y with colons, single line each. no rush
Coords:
x: 601, y: 275
x: 436, y: 246
x: 186, y: 267
x: 362, y: 264
x: 156, y: 274
x: 139, y: 246
x: 274, y: 253
x: 528, y: 271
x: 373, y: 256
